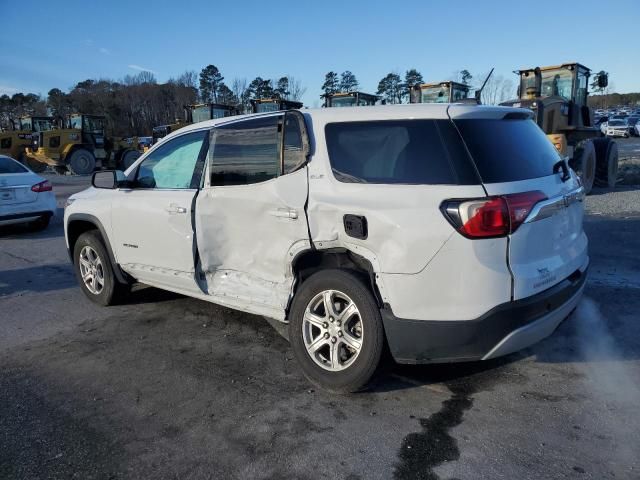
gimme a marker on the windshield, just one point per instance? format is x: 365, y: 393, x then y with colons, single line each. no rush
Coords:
x: 458, y: 94
x: 617, y: 123
x: 343, y: 101
x: 76, y: 122
x: 93, y: 124
x: 267, y: 107
x: 557, y: 82
x: 439, y: 94
x: 201, y: 113
x: 25, y: 124
x: 221, y: 112
x: 41, y: 124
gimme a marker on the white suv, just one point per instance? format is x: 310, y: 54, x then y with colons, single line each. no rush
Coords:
x: 450, y: 232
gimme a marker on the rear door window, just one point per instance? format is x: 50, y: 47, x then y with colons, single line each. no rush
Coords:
x: 246, y: 152
x: 399, y: 152
x: 508, y: 150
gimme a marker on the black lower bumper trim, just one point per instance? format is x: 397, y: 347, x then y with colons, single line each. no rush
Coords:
x: 434, y: 341
x: 18, y: 216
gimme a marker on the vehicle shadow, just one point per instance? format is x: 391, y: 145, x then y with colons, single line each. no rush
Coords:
x: 619, y: 188
x: 141, y: 294
x: 36, y: 279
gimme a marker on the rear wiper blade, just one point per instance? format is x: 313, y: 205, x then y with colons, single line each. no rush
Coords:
x: 562, y: 165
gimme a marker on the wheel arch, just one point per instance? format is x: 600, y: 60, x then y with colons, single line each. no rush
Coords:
x: 79, y: 223
x: 310, y: 261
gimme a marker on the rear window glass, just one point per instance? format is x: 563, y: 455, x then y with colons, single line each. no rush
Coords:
x: 10, y: 166
x: 399, y: 151
x: 508, y: 150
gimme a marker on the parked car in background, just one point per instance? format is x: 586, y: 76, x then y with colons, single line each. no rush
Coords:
x: 24, y: 196
x: 637, y: 127
x: 617, y: 127
x: 476, y: 251
x: 633, y: 122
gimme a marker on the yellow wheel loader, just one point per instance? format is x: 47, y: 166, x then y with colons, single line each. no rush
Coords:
x: 15, y: 142
x: 263, y: 105
x: 349, y: 99
x: 81, y: 147
x: 443, y: 92
x: 558, y: 97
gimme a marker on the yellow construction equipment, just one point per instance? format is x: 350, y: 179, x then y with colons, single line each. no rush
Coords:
x: 349, y: 99
x: 15, y: 142
x: 273, y: 104
x: 558, y: 97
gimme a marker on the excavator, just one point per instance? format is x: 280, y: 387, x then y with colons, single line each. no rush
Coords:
x: 558, y: 97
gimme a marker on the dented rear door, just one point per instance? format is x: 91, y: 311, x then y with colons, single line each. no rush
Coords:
x: 250, y: 216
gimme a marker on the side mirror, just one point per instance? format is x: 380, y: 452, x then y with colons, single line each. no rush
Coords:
x: 107, y: 179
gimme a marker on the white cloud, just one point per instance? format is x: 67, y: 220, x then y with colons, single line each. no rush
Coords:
x: 141, y: 69
x: 105, y: 51
x: 6, y: 90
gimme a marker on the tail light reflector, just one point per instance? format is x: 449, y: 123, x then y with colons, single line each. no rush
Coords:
x: 42, y: 187
x: 492, y: 216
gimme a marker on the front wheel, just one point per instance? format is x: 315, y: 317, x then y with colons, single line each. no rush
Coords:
x: 94, y: 270
x: 336, y: 331
x: 81, y: 162
x: 129, y: 158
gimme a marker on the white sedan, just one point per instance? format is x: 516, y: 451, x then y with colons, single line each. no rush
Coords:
x: 24, y: 196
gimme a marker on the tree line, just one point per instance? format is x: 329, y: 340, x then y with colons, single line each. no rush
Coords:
x: 137, y: 103
x: 393, y: 88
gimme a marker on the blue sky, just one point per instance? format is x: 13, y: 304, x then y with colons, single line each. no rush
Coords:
x: 110, y: 39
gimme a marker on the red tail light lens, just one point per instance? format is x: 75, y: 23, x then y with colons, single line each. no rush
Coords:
x: 491, y: 217
x: 42, y: 187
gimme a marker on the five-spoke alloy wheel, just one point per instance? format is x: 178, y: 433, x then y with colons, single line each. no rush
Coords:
x: 336, y: 331
x: 94, y: 270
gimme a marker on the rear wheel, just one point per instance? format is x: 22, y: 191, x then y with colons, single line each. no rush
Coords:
x: 129, y: 158
x: 94, y: 270
x: 81, y: 162
x: 584, y: 163
x: 606, y: 162
x: 336, y: 331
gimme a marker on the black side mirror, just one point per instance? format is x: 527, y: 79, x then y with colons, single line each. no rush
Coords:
x: 107, y: 179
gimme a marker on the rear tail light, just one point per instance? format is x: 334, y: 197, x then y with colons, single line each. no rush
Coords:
x: 492, y: 216
x: 42, y: 187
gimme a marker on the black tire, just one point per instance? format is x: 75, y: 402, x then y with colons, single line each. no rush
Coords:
x: 112, y: 291
x: 584, y: 164
x: 606, y: 162
x: 81, y: 162
x: 357, y: 375
x: 41, y: 223
x: 129, y: 158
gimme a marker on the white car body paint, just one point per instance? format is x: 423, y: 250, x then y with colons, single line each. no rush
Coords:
x: 18, y: 200
x: 246, y: 236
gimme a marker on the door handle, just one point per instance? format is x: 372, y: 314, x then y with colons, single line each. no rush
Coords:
x: 285, y: 213
x: 173, y: 208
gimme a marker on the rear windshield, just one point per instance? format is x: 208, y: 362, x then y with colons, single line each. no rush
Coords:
x: 508, y: 150
x: 10, y: 166
x: 399, y: 151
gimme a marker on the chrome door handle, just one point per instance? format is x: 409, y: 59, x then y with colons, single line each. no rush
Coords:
x: 285, y: 213
x: 173, y: 208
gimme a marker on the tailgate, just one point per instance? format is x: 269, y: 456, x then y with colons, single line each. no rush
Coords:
x: 551, y: 244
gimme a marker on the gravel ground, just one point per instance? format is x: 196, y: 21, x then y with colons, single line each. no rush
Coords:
x: 171, y: 387
x: 629, y: 163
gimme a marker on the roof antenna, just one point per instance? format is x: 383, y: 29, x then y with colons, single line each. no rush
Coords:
x: 479, y: 92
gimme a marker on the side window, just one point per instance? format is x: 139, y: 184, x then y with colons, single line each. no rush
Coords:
x: 173, y: 165
x: 293, y: 154
x: 246, y: 152
x: 398, y: 151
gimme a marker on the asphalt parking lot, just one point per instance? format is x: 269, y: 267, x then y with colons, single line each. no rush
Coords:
x: 171, y: 387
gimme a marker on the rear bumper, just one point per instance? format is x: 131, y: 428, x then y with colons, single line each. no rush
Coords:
x: 504, y: 329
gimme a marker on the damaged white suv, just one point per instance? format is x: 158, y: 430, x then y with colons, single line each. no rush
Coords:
x: 448, y: 232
